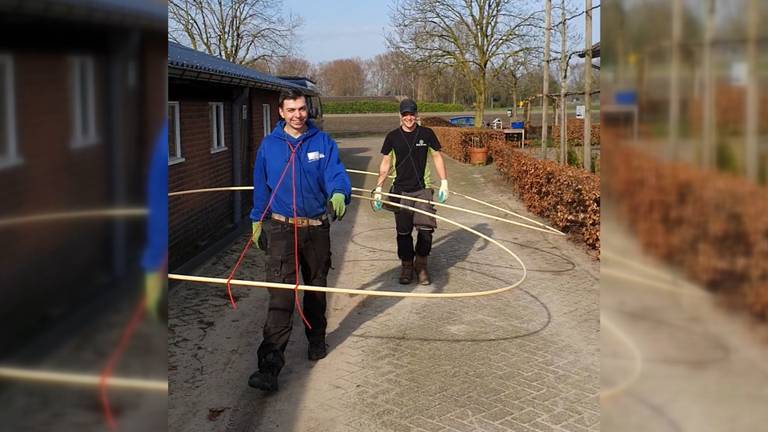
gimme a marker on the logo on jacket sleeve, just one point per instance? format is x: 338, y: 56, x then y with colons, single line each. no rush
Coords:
x: 314, y: 156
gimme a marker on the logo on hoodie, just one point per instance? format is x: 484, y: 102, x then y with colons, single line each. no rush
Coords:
x: 421, y: 143
x: 314, y: 156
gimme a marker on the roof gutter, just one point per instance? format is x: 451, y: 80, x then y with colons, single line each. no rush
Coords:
x: 181, y: 72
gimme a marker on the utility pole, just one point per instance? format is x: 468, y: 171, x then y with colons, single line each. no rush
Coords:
x: 674, y: 80
x: 708, y: 129
x: 563, y: 110
x: 752, y: 108
x: 545, y: 90
x: 588, y: 86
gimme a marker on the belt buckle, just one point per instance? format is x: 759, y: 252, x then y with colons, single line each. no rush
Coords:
x: 302, y: 222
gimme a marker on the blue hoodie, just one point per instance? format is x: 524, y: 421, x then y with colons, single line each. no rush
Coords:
x: 319, y: 173
x: 156, y: 249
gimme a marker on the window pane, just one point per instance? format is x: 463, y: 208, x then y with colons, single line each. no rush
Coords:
x: 221, y: 126
x: 215, y: 126
x: 4, y: 103
x: 172, y: 131
x: 83, y: 95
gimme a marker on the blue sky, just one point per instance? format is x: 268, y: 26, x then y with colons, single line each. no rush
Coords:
x: 336, y: 29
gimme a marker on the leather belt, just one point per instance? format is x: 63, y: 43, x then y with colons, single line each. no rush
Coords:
x: 301, y: 222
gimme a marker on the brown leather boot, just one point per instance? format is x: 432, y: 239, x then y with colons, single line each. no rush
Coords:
x: 420, y: 265
x: 406, y: 273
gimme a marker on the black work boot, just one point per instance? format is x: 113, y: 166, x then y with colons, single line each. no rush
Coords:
x: 264, y: 380
x: 420, y: 265
x: 317, y: 350
x: 406, y: 273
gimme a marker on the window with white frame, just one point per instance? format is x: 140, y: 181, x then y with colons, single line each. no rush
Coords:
x: 83, y: 97
x: 216, y: 114
x: 266, y: 119
x: 174, y: 134
x: 9, y: 155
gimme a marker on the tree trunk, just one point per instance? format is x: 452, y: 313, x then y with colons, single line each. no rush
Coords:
x: 514, y: 102
x: 480, y: 91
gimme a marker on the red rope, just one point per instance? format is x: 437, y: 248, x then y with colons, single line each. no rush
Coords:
x: 296, y: 250
x: 292, y: 163
x: 264, y: 213
x: 114, y: 357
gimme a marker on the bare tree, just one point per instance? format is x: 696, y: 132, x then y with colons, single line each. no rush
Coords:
x: 343, y: 77
x: 395, y: 74
x: 240, y: 31
x: 293, y: 66
x: 470, y: 35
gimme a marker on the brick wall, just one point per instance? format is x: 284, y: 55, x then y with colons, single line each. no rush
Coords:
x: 53, y: 177
x: 196, y: 221
x: 199, y: 219
x: 257, y: 100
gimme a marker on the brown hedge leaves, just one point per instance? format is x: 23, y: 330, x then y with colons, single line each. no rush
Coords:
x: 568, y: 197
x: 712, y: 225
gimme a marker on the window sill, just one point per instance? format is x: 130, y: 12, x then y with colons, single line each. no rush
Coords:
x: 219, y: 150
x: 11, y: 162
x: 79, y: 143
x: 176, y: 160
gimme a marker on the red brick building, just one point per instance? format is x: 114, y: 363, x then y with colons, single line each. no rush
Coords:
x: 218, y: 113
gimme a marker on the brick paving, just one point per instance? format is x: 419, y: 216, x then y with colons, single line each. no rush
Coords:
x: 524, y: 360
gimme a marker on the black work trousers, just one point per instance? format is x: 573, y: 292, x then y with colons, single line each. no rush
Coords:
x: 404, y: 227
x: 314, y: 247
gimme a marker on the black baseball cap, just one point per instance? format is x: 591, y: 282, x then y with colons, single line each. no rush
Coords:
x: 407, y: 106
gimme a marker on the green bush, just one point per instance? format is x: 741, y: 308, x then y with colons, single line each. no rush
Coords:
x: 574, y: 158
x: 726, y: 158
x: 362, y: 107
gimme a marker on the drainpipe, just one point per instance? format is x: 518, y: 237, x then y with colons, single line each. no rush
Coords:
x: 240, y: 114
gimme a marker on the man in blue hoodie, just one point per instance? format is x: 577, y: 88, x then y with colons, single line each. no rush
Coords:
x: 307, y: 160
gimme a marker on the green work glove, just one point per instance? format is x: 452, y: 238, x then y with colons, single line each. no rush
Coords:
x: 442, y: 194
x: 377, y: 199
x: 337, y: 201
x: 153, y: 287
x: 256, y: 226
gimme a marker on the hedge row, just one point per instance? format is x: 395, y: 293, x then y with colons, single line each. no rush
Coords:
x: 568, y: 197
x: 456, y: 142
x: 575, y: 133
x: 712, y: 225
x: 373, y: 106
x: 436, y: 121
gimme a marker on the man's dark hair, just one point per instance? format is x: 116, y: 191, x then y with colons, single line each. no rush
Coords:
x: 290, y: 94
